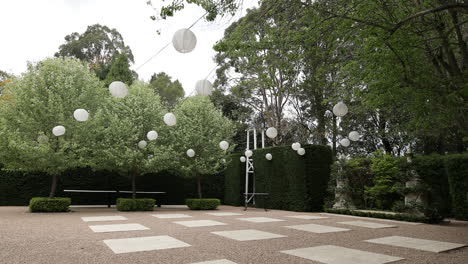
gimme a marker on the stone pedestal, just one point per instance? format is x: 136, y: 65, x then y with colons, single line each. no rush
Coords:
x: 342, y: 198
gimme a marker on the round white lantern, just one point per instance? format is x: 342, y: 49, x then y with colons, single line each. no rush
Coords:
x: 242, y: 159
x: 58, y: 131
x: 184, y: 40
x: 191, y: 153
x: 248, y: 153
x: 142, y: 144
x: 353, y: 135
x: 271, y: 132
x: 118, y: 89
x: 340, y: 109
x: 203, y: 87
x: 81, y: 115
x: 268, y: 156
x: 345, y: 142
x: 42, y: 139
x: 224, y: 145
x: 295, y: 146
x: 152, y: 135
x: 170, y: 119
x: 301, y: 151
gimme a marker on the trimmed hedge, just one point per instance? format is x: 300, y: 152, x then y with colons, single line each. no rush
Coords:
x: 456, y: 168
x: 399, y: 217
x: 202, y: 204
x: 126, y: 204
x: 45, y: 204
x: 233, y: 181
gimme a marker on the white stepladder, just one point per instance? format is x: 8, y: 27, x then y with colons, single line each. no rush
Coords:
x: 249, y: 170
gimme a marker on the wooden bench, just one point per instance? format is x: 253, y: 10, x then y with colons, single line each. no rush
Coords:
x: 116, y: 192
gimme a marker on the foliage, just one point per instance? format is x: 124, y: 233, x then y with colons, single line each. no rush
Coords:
x: 124, y: 204
x: 169, y: 91
x: 234, y: 181
x: 120, y: 71
x: 202, y: 204
x: 213, y: 8
x: 456, y: 168
x: 44, y: 204
x: 98, y: 45
x: 42, y: 98
x: 399, y: 217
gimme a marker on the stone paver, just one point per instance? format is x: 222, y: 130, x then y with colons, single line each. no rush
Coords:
x: 367, y: 224
x: 260, y: 219
x: 247, y: 235
x: 117, y: 228
x: 416, y: 243
x: 217, y: 261
x: 308, y: 217
x: 171, y: 216
x: 318, y: 228
x: 199, y: 223
x: 103, y: 218
x: 340, y: 255
x: 136, y: 244
x: 224, y: 214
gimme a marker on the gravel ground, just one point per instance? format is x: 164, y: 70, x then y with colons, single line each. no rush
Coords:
x: 64, y: 238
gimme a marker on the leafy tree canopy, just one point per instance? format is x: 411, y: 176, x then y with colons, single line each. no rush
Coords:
x: 169, y: 91
x: 120, y: 71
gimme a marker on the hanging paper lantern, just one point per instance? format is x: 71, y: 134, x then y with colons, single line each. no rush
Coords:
x: 224, y: 145
x: 340, y: 109
x: 170, y: 119
x: 301, y: 151
x: 191, y: 153
x: 223, y: 160
x: 295, y: 146
x: 268, y: 156
x: 242, y: 159
x: 184, y: 40
x: 142, y: 144
x: 81, y: 115
x: 42, y: 139
x: 353, y: 135
x: 271, y: 132
x: 345, y: 142
x: 248, y: 153
x: 203, y: 87
x: 118, y: 89
x: 58, y: 131
x: 152, y: 135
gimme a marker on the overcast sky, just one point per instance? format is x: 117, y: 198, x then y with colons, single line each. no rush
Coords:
x: 34, y: 29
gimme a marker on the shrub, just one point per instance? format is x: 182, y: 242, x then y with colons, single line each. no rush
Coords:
x: 128, y: 204
x: 202, y: 204
x: 456, y: 167
x: 233, y: 181
x: 44, y: 204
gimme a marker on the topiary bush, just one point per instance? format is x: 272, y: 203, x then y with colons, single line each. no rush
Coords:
x: 45, y: 204
x: 128, y: 204
x: 202, y: 204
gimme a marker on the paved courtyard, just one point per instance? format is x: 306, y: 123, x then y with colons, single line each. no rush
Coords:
x: 225, y: 236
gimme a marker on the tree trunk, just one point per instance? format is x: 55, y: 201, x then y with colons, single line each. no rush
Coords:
x: 54, y: 186
x: 134, y: 184
x: 199, y: 187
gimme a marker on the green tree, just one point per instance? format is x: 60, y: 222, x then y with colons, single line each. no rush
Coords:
x: 120, y: 71
x: 169, y: 91
x: 98, y: 45
x: 45, y: 96
x: 200, y: 126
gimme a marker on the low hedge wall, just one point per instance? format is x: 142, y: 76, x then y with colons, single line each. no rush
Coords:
x: 399, y: 217
x: 202, y: 204
x: 128, y: 204
x: 45, y: 204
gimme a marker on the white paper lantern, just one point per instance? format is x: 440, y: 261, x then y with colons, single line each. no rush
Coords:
x: 152, y: 135
x: 170, y: 119
x: 224, y: 145
x: 353, y: 135
x: 242, y: 159
x: 301, y: 151
x: 204, y: 87
x: 340, y: 109
x: 271, y: 132
x: 81, y: 115
x: 118, y: 89
x: 248, y: 153
x: 142, y: 144
x: 345, y: 142
x: 268, y: 156
x: 295, y: 146
x: 184, y: 40
x: 42, y: 139
x: 58, y: 131
x: 191, y: 153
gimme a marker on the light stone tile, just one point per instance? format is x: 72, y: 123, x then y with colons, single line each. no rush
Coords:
x: 308, y: 217
x: 103, y: 218
x: 171, y: 216
x: 218, y: 261
x: 117, y: 228
x: 367, y: 224
x: 340, y: 255
x: 260, y: 219
x: 126, y: 245
x: 317, y: 228
x: 247, y: 235
x: 223, y: 214
x: 199, y: 223
x: 416, y: 243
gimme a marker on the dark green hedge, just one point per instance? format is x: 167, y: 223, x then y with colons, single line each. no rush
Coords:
x: 202, y: 204
x: 128, y: 204
x: 44, y: 204
x: 233, y: 181
x: 456, y: 168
